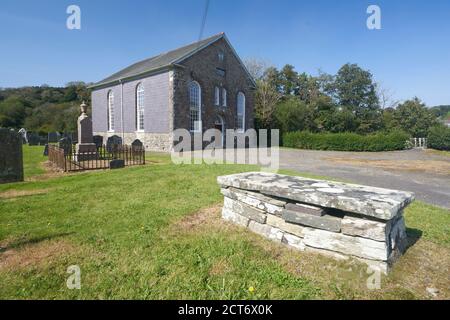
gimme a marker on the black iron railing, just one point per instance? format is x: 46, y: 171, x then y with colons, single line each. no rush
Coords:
x: 70, y: 160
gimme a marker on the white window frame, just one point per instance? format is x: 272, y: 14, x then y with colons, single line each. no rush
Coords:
x: 140, y: 108
x: 198, y: 125
x: 224, y: 97
x: 240, y: 100
x: 110, y: 111
x: 216, y: 96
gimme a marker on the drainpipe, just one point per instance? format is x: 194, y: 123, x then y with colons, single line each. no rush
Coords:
x: 121, y: 111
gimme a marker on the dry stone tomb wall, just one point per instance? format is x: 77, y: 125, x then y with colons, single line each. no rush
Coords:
x: 336, y: 219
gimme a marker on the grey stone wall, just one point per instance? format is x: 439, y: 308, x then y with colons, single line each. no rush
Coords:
x: 201, y: 67
x: 160, y: 142
x: 11, y: 158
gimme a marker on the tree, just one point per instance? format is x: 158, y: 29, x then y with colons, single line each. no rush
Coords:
x: 294, y: 115
x: 266, y: 100
x: 439, y: 137
x: 388, y: 119
x: 308, y: 88
x: 273, y: 77
x: 354, y: 87
x: 355, y: 91
x: 415, y: 118
x: 256, y: 67
x: 441, y: 111
x: 12, y: 112
x: 386, y: 97
x: 289, y: 81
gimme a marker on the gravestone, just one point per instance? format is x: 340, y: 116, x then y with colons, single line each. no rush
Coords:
x: 85, y: 144
x: 137, y: 145
x: 98, y: 140
x: 117, y: 164
x: 53, y: 137
x: 66, y: 144
x: 112, y: 143
x: 33, y: 139
x: 11, y: 158
x: 43, y: 141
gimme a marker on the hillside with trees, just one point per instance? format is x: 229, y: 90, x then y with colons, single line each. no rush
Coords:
x: 42, y: 109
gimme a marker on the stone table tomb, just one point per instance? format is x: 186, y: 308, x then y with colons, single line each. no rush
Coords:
x: 336, y: 219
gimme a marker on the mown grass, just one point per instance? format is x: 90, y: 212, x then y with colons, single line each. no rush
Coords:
x: 439, y: 152
x: 136, y: 234
x: 32, y: 161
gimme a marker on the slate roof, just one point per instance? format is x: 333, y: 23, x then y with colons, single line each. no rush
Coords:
x: 160, y: 61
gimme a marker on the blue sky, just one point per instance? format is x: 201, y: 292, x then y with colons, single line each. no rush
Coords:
x: 410, y: 55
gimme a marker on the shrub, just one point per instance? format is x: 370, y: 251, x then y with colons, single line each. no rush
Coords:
x: 396, y: 140
x: 294, y: 115
x: 439, y: 138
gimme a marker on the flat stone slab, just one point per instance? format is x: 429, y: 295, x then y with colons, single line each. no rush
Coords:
x: 303, y: 208
x: 245, y: 210
x: 383, y: 204
x: 326, y: 222
x: 254, y: 199
x: 366, y: 228
x: 337, y: 242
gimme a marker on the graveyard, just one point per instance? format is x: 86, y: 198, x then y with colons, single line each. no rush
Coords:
x: 158, y: 230
x: 155, y: 231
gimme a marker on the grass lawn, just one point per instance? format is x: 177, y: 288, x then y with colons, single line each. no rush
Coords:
x: 32, y: 159
x: 439, y: 152
x: 154, y: 232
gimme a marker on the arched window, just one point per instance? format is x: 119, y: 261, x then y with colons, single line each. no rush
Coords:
x: 140, y: 107
x: 241, y: 112
x: 195, y: 107
x: 110, y: 111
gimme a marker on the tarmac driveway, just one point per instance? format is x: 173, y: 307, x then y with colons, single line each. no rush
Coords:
x: 425, y: 173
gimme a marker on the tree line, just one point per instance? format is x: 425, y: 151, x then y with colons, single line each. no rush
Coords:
x: 349, y: 101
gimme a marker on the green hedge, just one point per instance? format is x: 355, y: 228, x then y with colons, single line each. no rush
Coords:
x: 396, y: 140
x: 439, y: 138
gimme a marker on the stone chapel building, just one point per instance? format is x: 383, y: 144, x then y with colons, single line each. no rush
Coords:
x: 197, y: 87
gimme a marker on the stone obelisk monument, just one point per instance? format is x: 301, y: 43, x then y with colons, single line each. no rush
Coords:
x: 85, y: 144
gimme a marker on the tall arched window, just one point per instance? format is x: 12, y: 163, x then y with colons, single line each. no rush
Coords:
x: 140, y: 107
x: 195, y: 102
x: 110, y: 111
x: 241, y: 112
